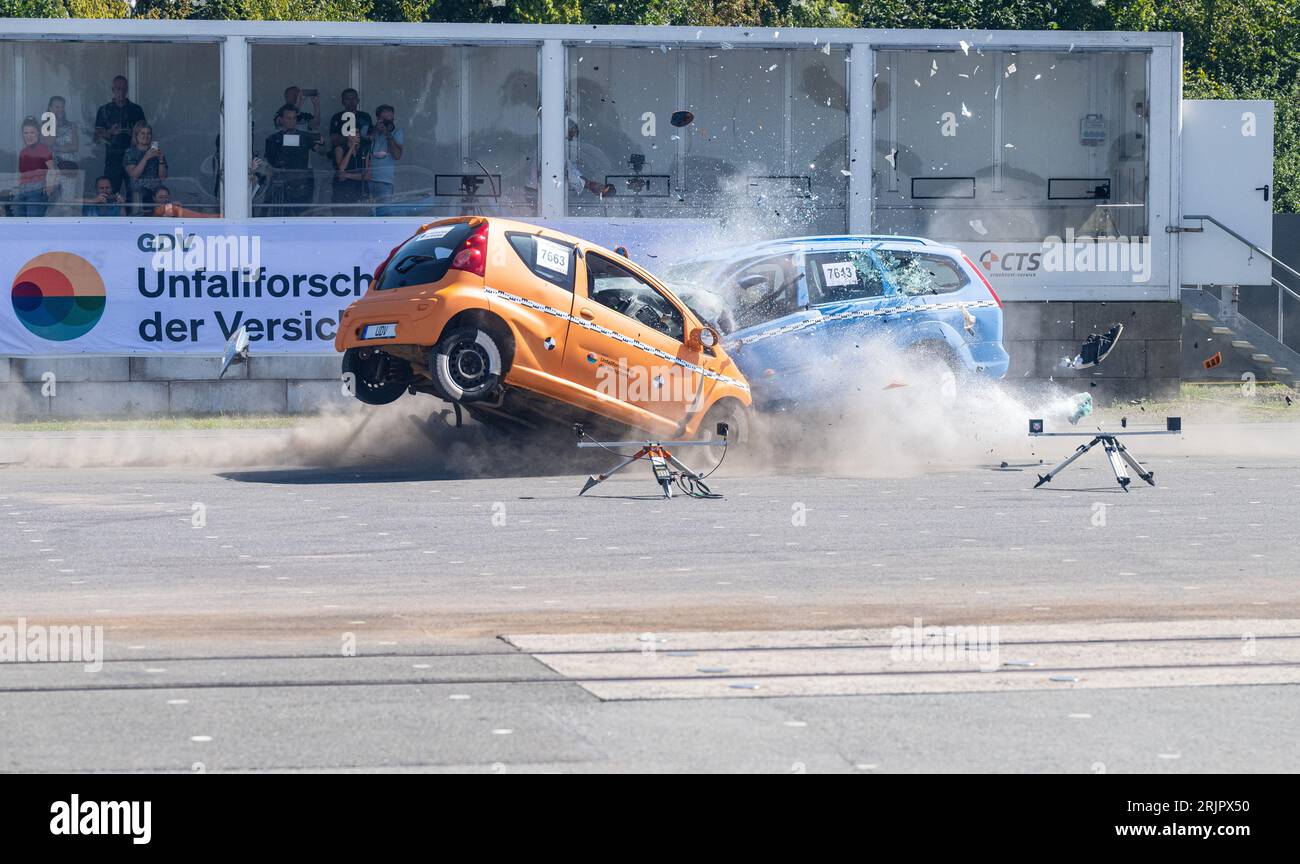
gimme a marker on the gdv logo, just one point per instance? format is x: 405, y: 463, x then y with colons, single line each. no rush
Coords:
x: 1011, y: 262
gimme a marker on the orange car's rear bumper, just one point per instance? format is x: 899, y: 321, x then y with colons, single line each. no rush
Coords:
x: 420, y: 313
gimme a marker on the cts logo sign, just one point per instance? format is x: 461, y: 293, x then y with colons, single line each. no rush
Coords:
x: 58, y: 296
x: 1011, y: 263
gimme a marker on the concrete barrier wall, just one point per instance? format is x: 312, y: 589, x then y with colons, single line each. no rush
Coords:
x: 1145, y: 363
x: 98, y: 387
x: 1037, y: 335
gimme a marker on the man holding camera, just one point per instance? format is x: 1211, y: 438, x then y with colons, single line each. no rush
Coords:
x: 106, y: 202
x: 308, y: 121
x: 385, y: 149
x: 287, y: 151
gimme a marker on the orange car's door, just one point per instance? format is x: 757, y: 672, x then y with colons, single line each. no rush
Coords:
x: 533, y: 286
x: 627, y: 345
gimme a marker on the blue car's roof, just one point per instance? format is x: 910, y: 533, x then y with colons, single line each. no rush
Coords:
x: 814, y: 241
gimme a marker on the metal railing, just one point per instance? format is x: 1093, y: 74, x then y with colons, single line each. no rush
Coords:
x: 1281, y: 286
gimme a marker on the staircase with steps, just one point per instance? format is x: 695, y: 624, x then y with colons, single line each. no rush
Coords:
x: 1211, y: 325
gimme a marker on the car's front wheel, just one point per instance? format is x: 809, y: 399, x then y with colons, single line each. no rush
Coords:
x: 375, y: 377
x: 466, y: 364
x: 739, y: 426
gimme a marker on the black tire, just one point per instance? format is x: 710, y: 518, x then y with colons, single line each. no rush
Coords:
x: 740, y: 427
x: 377, y: 377
x: 731, y: 412
x: 467, y: 364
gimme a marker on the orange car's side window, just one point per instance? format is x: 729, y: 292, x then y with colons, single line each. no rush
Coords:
x: 549, y: 259
x: 614, y: 286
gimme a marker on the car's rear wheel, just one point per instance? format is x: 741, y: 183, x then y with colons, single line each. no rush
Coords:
x: 467, y: 364
x: 377, y: 378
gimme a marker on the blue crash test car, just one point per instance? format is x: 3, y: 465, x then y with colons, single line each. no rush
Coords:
x: 790, y: 310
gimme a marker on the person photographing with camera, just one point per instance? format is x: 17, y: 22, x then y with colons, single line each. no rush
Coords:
x: 106, y: 202
x: 286, y: 164
x: 386, y: 142
x: 145, y: 164
x: 351, y: 171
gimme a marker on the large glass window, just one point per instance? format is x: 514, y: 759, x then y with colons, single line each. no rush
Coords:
x: 107, y: 129
x: 756, y: 137
x: 1013, y: 146
x: 436, y: 130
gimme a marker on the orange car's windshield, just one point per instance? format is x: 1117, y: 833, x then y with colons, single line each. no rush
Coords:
x: 425, y: 258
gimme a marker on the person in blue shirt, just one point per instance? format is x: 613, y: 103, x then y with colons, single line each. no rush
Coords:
x: 386, y: 142
x: 106, y: 202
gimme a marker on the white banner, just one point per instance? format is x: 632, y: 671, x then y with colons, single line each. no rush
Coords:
x: 105, y: 288
x: 185, y: 287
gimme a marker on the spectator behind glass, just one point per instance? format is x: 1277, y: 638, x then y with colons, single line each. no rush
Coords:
x: 308, y: 121
x: 165, y: 207
x: 66, y: 140
x: 351, y: 171
x: 351, y: 100
x: 386, y: 142
x: 106, y: 202
x: 35, y: 164
x: 113, y: 124
x: 65, y: 143
x: 286, y: 164
x: 145, y: 165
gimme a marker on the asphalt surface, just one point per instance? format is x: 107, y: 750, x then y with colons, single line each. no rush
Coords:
x: 383, y: 618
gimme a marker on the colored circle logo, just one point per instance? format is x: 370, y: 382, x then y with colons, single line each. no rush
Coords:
x: 58, y: 296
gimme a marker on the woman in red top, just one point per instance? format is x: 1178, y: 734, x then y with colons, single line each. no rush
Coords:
x: 35, y: 162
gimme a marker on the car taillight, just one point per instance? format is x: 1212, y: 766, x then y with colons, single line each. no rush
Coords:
x: 472, y: 254
x: 984, y: 279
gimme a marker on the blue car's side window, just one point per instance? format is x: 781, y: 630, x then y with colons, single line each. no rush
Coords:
x: 774, y: 295
x: 841, y: 276
x: 914, y: 273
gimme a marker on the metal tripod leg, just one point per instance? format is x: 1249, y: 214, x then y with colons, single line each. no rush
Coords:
x: 1149, y: 476
x: 1116, y: 463
x: 1083, y: 448
x: 601, y: 478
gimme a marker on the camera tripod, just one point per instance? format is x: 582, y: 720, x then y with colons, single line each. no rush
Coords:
x: 1116, y: 453
x: 666, y: 467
